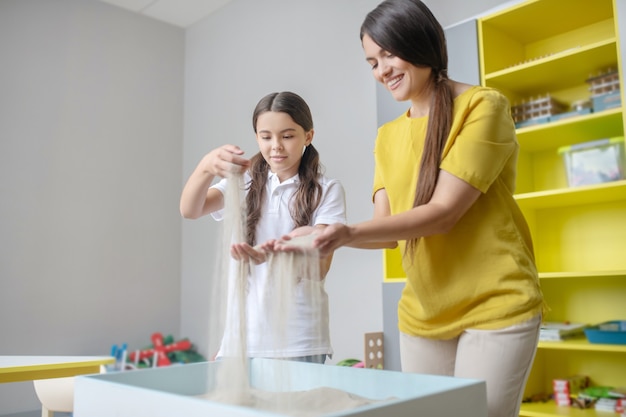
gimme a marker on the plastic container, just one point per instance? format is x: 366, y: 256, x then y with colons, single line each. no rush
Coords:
x: 606, y: 101
x: 609, y: 332
x: 594, y: 162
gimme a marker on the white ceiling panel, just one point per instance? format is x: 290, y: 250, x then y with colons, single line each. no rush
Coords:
x: 133, y: 5
x: 181, y: 13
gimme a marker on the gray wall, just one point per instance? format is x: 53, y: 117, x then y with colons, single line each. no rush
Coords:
x: 92, y: 161
x: 91, y: 102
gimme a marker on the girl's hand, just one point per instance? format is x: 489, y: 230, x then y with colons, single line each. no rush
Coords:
x: 298, y: 240
x: 269, y: 246
x: 245, y: 252
x: 301, y: 231
x: 224, y: 161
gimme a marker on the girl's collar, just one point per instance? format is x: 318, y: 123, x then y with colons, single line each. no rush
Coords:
x: 274, y: 178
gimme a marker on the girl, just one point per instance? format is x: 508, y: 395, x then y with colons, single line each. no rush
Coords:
x: 285, y: 189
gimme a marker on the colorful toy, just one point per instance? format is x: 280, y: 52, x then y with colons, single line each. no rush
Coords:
x: 354, y: 363
x: 165, y: 351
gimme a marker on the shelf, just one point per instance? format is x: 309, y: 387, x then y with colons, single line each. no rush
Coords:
x: 550, y: 409
x: 557, y: 71
x: 582, y: 275
x: 572, y: 130
x: 559, y: 30
x: 513, y: 21
x: 392, y: 265
x: 581, y: 344
x: 573, y: 196
x: 579, y: 233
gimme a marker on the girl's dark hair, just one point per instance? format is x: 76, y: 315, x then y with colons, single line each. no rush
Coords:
x: 408, y: 30
x: 309, y: 193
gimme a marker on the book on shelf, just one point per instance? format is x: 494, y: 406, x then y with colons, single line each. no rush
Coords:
x: 606, y: 404
x: 617, y: 392
x: 560, y: 330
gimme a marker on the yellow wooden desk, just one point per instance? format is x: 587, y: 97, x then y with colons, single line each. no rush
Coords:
x: 29, y: 368
x: 64, y: 368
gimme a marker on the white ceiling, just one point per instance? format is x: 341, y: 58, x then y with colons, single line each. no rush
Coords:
x: 181, y: 13
x: 184, y: 13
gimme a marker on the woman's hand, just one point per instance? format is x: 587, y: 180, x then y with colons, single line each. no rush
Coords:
x: 332, y: 237
x: 245, y: 252
x: 325, y: 239
x: 301, y: 240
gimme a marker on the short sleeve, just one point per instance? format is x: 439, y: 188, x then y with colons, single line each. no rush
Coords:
x: 482, y: 139
x: 332, y: 208
x: 218, y: 215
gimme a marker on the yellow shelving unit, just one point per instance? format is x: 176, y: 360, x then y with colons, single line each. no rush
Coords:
x: 541, y: 47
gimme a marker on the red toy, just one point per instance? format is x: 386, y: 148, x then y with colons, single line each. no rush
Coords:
x: 161, y: 350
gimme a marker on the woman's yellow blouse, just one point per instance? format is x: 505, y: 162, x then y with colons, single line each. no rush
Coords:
x: 482, y: 273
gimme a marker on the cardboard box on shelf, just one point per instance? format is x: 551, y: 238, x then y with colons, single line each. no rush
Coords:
x: 564, y: 388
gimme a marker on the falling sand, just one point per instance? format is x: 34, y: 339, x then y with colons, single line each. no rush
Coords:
x: 287, y: 272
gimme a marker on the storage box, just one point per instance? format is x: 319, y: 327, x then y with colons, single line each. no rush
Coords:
x: 562, y: 399
x: 606, y: 101
x: 533, y: 121
x: 564, y: 388
x: 594, y: 162
x: 610, y: 332
x: 569, y: 114
x: 605, y: 82
x: 570, y: 385
x: 536, y: 110
x: 174, y: 390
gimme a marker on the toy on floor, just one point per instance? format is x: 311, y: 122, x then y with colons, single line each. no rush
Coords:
x: 164, y: 351
x: 354, y: 363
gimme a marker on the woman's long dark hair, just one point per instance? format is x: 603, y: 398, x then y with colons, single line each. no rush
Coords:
x: 408, y: 30
x: 309, y: 193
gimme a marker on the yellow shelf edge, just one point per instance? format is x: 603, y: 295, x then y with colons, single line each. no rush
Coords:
x: 581, y: 344
x: 550, y: 409
x: 574, y: 196
x: 571, y: 130
x: 546, y: 60
x: 395, y: 279
x: 563, y: 122
x: 581, y: 274
x: 507, y: 11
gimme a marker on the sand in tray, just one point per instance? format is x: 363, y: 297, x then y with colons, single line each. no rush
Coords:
x: 315, y: 402
x: 232, y: 384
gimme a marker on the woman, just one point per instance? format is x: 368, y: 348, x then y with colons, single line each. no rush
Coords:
x: 443, y: 190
